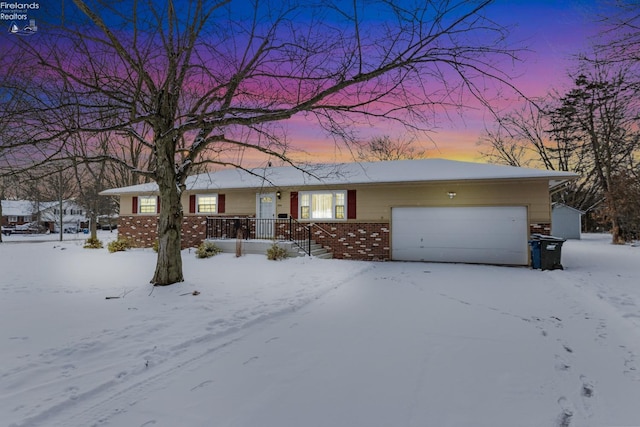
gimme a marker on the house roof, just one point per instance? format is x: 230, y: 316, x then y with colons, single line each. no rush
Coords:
x: 397, y: 171
x: 29, y: 207
x: 17, y: 207
x: 558, y: 205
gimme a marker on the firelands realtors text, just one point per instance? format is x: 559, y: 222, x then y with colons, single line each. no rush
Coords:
x: 16, y: 11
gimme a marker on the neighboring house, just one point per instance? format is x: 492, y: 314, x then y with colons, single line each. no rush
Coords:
x: 74, y: 216
x: 43, y: 215
x: 567, y: 221
x: 429, y: 209
x: 17, y: 212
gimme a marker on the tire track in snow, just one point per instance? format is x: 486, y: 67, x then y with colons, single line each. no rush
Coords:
x: 92, y: 407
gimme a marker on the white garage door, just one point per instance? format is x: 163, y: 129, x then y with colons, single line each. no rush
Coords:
x: 482, y: 235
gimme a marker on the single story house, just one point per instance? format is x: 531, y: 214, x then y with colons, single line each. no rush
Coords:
x: 567, y: 221
x: 419, y: 210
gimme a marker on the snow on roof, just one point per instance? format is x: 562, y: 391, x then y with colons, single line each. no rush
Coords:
x: 397, y: 171
x: 558, y: 205
x: 27, y: 207
x: 17, y: 207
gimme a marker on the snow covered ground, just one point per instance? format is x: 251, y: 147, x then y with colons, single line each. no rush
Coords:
x: 311, y: 342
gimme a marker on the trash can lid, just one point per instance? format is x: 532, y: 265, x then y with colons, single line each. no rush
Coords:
x: 553, y: 239
x: 546, y: 238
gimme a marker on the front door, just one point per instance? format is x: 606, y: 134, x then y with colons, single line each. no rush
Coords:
x: 265, y: 215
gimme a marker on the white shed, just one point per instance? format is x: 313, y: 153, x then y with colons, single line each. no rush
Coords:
x: 566, y: 222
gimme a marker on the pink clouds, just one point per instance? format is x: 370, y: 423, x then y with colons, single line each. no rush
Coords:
x: 553, y: 32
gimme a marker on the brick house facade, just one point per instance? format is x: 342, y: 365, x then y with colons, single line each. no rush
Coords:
x: 350, y: 211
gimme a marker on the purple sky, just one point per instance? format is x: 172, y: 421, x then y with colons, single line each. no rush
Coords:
x: 553, y: 30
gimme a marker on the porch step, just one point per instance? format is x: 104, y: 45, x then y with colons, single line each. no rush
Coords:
x: 325, y: 254
x: 261, y: 247
x: 317, y: 250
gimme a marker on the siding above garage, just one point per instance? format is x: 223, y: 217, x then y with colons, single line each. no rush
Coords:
x: 375, y: 202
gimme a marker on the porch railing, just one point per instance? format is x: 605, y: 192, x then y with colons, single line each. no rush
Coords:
x: 283, y: 229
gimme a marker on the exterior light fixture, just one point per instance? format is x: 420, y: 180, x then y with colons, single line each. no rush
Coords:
x: 451, y: 194
x: 278, y: 194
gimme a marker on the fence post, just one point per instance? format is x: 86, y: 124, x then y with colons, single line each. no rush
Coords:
x: 309, y: 240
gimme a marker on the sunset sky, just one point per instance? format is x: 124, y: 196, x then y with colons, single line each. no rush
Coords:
x: 553, y: 31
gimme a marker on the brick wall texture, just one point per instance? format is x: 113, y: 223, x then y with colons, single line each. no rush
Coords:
x: 348, y: 240
x: 143, y: 230
x: 543, y: 228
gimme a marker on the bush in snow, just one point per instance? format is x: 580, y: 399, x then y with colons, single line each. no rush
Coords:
x: 156, y: 244
x: 92, y: 243
x: 207, y: 250
x: 119, y: 245
x: 276, y: 253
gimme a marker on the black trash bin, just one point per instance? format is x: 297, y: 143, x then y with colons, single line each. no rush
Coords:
x: 546, y: 252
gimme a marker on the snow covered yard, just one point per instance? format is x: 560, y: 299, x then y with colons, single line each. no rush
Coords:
x: 310, y: 342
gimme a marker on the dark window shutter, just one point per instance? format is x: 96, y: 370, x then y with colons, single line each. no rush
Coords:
x: 221, y: 201
x: 134, y: 205
x: 158, y: 204
x: 192, y: 203
x: 294, y: 205
x: 351, y: 204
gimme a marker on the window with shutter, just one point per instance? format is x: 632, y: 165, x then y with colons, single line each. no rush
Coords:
x: 148, y: 204
x: 331, y: 205
x: 207, y: 203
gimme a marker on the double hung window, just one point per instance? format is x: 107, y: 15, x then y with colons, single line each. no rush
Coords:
x: 323, y: 205
x: 148, y: 204
x: 206, y: 203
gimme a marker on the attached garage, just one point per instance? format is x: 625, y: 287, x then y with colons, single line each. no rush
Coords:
x: 480, y: 235
x: 424, y: 209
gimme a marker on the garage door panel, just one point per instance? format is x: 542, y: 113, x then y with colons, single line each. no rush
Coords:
x: 491, y: 235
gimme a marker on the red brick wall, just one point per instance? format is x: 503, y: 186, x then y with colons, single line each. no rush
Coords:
x: 143, y: 230
x: 349, y: 240
x: 362, y: 241
x: 542, y: 228
x: 194, y: 231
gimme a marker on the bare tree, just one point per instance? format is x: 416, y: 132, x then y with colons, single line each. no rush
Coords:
x: 620, y: 38
x: 380, y: 148
x: 519, y: 138
x: 210, y: 79
x: 599, y: 118
x: 526, y: 138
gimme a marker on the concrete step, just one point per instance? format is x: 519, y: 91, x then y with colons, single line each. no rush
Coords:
x: 317, y: 250
x: 261, y: 247
x: 325, y: 255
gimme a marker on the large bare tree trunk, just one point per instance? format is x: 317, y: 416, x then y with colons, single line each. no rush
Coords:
x: 206, y: 81
x: 169, y: 264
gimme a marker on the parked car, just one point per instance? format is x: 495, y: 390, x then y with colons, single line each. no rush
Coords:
x: 27, y: 228
x: 107, y: 222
